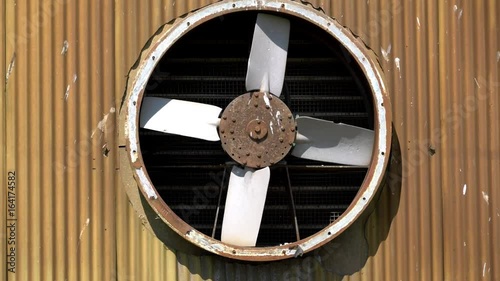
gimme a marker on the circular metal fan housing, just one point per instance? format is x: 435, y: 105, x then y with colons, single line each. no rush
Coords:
x: 250, y: 130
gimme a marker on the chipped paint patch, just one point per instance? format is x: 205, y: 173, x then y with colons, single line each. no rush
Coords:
x: 418, y: 23
x: 65, y: 47
x: 66, y: 94
x: 397, y: 62
x: 10, y: 68
x: 477, y: 83
x: 85, y: 225
x: 457, y: 10
x: 484, y: 269
x: 464, y: 189
x: 386, y: 52
x: 486, y: 197
x: 266, y: 100
x: 101, y: 126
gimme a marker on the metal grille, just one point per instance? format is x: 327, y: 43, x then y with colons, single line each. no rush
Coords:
x: 208, y: 65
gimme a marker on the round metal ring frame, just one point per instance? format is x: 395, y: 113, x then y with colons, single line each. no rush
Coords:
x: 151, y: 55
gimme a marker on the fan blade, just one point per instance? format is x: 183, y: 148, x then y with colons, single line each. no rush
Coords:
x: 245, y: 200
x: 179, y: 117
x: 267, y: 62
x: 327, y: 141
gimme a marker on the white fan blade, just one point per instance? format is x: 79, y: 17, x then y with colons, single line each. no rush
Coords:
x: 327, y: 141
x: 267, y: 62
x: 179, y: 117
x: 245, y: 200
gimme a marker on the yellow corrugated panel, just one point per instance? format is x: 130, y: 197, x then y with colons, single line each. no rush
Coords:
x: 60, y: 119
x: 67, y: 62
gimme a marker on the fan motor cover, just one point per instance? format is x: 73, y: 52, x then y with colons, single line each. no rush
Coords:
x: 134, y: 172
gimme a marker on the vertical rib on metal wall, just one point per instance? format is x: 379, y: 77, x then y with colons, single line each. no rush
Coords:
x: 3, y: 179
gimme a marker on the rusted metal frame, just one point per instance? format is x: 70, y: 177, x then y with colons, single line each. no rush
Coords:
x: 364, y: 57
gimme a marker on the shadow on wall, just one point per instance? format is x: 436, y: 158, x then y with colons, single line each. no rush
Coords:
x: 345, y: 255
x: 348, y: 253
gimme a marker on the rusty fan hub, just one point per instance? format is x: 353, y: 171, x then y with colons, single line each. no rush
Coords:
x: 257, y: 129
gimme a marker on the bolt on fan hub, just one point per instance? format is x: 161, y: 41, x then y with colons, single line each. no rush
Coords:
x: 257, y: 129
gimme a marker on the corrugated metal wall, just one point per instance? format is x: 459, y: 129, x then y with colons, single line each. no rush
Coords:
x: 64, y: 66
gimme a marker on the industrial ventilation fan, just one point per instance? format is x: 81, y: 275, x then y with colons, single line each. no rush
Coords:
x: 256, y: 130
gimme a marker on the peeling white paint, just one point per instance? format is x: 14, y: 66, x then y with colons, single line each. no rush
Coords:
x: 66, y: 94
x: 65, y: 47
x: 484, y: 269
x: 266, y: 100
x: 418, y: 23
x: 75, y: 77
x: 464, y: 189
x: 465, y: 244
x: 477, y: 83
x: 460, y: 11
x: 10, y: 68
x: 386, y: 52
x: 486, y: 197
x: 85, y: 225
x: 397, y: 62
x: 277, y: 117
x: 102, y: 124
